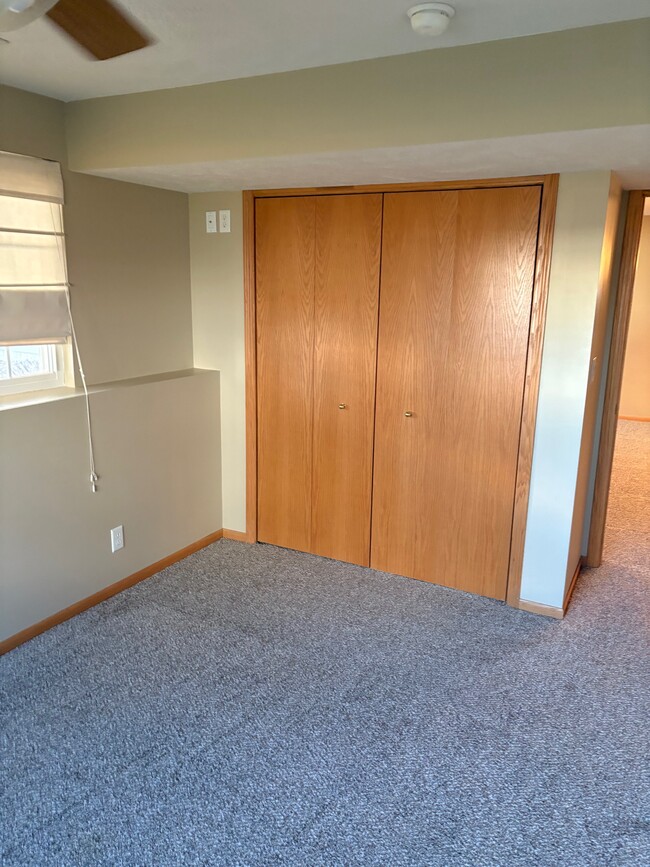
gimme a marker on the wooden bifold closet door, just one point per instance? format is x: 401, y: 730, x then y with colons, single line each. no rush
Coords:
x: 317, y: 288
x: 456, y: 294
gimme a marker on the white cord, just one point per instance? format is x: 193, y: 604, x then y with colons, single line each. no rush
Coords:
x: 91, y: 450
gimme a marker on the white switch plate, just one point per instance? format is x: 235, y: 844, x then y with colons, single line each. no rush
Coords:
x: 224, y: 221
x: 211, y: 222
x: 117, y: 538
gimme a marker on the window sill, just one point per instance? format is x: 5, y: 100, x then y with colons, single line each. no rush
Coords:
x: 32, y: 398
x: 35, y: 398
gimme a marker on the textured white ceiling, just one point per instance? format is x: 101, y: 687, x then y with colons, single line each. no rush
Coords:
x: 625, y: 150
x: 213, y: 40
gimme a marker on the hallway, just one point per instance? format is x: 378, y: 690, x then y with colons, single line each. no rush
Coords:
x: 627, y: 537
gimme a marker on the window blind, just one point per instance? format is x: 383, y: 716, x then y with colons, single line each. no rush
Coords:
x: 33, y: 278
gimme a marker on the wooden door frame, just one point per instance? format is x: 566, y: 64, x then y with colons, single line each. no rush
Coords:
x: 549, y: 186
x: 614, y: 381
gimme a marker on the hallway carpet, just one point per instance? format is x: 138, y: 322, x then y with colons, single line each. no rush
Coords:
x: 254, y: 706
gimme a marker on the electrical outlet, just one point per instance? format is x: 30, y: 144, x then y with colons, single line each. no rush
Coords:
x: 117, y: 538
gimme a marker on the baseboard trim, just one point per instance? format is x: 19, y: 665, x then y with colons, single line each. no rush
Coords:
x: 569, y: 591
x: 539, y: 608
x: 552, y: 610
x: 101, y: 595
x: 235, y: 535
x: 633, y: 418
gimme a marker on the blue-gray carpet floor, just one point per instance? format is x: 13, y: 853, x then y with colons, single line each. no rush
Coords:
x: 254, y: 706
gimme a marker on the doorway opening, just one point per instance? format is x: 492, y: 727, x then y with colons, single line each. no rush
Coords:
x: 620, y: 523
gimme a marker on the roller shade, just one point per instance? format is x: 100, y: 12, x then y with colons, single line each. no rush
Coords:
x: 30, y: 178
x: 33, y: 276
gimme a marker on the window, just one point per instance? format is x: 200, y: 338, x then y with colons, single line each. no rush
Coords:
x: 35, y: 322
x: 36, y: 327
x: 30, y: 367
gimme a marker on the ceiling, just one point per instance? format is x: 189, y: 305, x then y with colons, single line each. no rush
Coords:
x: 624, y: 150
x: 213, y: 40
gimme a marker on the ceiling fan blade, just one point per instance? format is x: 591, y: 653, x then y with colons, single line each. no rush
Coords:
x: 98, y: 26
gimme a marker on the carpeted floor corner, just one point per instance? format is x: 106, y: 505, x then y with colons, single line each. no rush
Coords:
x: 255, y: 706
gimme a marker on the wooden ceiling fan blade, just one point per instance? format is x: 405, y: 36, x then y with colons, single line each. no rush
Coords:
x: 99, y: 26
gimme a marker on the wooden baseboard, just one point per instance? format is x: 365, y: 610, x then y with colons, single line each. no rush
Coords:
x: 101, y: 595
x: 633, y: 418
x: 235, y: 535
x: 552, y: 610
x: 572, y: 584
x: 539, y: 608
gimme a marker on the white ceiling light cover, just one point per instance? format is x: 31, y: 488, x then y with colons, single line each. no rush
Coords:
x: 15, y: 14
x: 431, y: 19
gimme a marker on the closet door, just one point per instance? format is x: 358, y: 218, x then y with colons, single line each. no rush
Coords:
x: 348, y: 244
x: 284, y: 261
x: 456, y: 293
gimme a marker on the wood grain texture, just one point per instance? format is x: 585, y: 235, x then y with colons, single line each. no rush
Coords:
x: 456, y: 296
x: 531, y: 389
x: 622, y: 309
x: 540, y: 608
x: 106, y: 593
x: 250, y: 344
x: 284, y: 266
x: 235, y: 535
x: 348, y: 245
x: 103, y: 29
x: 568, y: 593
x: 420, y: 186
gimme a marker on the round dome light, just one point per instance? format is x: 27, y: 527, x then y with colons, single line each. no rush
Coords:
x: 430, y: 19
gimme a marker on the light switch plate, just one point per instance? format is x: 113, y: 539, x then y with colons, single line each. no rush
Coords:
x: 211, y: 222
x: 224, y: 221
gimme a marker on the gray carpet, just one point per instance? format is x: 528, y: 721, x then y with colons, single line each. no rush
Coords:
x: 253, y: 706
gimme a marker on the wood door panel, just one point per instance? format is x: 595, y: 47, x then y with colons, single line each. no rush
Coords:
x: 412, y: 335
x: 456, y: 293
x: 284, y: 262
x: 348, y: 245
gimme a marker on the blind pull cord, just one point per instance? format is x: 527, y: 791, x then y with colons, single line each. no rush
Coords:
x: 93, y: 477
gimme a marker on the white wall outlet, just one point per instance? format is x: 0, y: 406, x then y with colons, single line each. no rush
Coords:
x: 117, y: 538
x: 211, y: 222
x: 224, y: 221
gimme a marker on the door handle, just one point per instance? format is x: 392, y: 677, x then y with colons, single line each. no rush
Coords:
x: 343, y: 406
x: 408, y: 413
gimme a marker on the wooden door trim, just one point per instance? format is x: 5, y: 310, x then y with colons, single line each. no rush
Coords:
x: 531, y: 386
x: 622, y: 309
x: 549, y: 184
x: 421, y: 186
x: 250, y: 342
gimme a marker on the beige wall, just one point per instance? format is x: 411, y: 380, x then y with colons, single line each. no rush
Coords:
x: 586, y: 78
x: 586, y: 215
x: 129, y: 263
x: 157, y: 450
x: 635, y: 393
x: 128, y: 254
x: 157, y: 442
x: 218, y: 320
x: 599, y: 345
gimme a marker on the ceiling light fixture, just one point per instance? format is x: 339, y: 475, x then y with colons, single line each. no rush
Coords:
x: 16, y: 6
x: 431, y: 19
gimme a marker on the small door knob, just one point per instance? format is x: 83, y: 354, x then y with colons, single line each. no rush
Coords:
x: 342, y: 406
x: 408, y: 413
